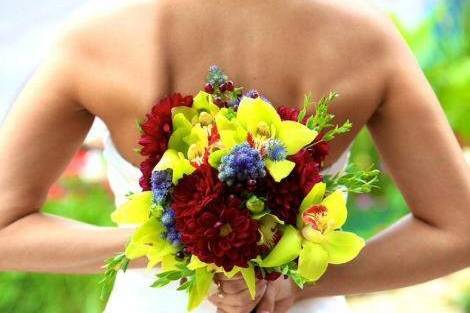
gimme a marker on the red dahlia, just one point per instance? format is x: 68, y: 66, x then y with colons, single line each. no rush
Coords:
x: 320, y: 149
x: 222, y: 233
x: 307, y: 170
x: 284, y: 198
x: 194, y: 192
x: 156, y: 131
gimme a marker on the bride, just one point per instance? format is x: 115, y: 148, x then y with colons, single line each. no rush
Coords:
x: 116, y: 64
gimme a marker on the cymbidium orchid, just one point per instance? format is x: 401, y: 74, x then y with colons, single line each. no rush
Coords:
x: 320, y: 241
x: 192, y: 127
x: 260, y: 120
x: 148, y: 239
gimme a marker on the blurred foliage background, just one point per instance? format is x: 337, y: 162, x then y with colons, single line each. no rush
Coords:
x: 441, y: 43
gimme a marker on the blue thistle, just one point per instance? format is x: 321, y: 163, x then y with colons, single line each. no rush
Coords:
x: 168, y: 220
x: 168, y: 217
x: 234, y: 103
x: 161, y: 184
x: 253, y: 93
x: 243, y: 163
x: 276, y: 150
x: 216, y: 76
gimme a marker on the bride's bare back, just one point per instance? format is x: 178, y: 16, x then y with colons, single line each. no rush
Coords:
x: 116, y: 64
x: 138, y: 54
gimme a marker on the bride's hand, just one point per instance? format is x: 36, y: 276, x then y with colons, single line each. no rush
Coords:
x: 233, y: 295
x: 279, y: 296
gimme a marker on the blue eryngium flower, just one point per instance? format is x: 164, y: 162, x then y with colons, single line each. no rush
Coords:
x: 276, y: 150
x: 168, y: 220
x: 168, y: 217
x: 161, y: 184
x: 241, y: 164
x: 216, y: 76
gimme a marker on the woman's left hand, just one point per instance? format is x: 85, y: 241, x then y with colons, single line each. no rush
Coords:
x: 271, y: 297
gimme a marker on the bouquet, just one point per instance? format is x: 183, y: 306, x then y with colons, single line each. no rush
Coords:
x: 232, y: 185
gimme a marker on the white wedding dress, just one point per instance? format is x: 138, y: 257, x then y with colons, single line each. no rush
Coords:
x: 132, y: 292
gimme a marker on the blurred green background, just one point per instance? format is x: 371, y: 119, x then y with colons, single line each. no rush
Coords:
x: 441, y: 43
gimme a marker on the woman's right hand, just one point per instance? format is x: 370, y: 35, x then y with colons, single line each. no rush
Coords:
x: 233, y: 295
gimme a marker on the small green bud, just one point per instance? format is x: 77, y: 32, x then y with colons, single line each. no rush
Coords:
x: 255, y: 204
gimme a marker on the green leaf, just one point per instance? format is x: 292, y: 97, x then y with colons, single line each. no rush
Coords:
x: 307, y: 103
x: 138, y: 124
x: 338, y: 130
x: 112, y: 266
x: 161, y: 282
x: 355, y: 180
x: 322, y: 119
x: 200, y: 288
x: 250, y: 279
x: 185, y: 285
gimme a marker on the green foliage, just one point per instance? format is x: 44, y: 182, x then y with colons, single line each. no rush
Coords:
x: 444, y: 55
x: 322, y: 118
x: 112, y: 267
x: 354, y: 179
x: 290, y: 270
x: 182, y: 274
x: 462, y: 300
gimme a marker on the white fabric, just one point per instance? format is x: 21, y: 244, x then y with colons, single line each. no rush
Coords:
x: 131, y: 291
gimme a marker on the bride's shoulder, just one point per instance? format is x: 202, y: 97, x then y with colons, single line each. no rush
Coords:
x: 103, y: 41
x: 354, y: 21
x: 97, y: 27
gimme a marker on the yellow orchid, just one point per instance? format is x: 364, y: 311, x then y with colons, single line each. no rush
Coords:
x: 175, y: 161
x: 230, y: 131
x: 323, y: 244
x: 261, y: 120
x: 320, y: 242
x: 147, y: 239
x: 192, y: 127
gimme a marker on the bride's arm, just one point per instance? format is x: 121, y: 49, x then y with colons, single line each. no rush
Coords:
x: 43, y: 131
x: 421, y: 153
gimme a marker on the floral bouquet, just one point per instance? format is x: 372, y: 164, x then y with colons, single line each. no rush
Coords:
x: 233, y: 185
